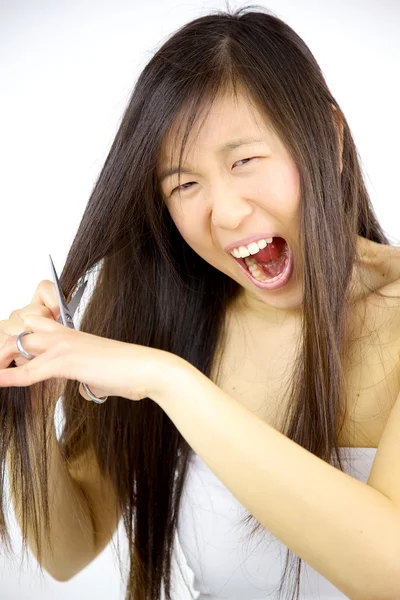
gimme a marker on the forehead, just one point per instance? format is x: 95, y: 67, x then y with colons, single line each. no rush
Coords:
x: 228, y: 118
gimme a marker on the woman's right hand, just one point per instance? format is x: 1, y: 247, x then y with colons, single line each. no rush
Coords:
x: 45, y: 303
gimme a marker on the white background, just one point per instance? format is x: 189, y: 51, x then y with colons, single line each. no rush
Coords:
x: 66, y: 72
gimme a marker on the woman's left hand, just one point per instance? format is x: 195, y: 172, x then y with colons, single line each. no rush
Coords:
x: 108, y: 367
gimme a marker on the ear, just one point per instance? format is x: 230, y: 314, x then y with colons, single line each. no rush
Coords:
x: 340, y: 133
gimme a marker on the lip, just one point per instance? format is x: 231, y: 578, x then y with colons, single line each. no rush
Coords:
x: 253, y: 238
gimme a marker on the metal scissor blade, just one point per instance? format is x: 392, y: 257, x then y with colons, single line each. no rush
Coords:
x: 67, y: 311
x: 73, y: 305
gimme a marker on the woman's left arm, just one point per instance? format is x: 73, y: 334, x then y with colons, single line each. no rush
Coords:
x: 346, y: 530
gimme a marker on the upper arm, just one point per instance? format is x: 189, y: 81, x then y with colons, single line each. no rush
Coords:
x: 100, y: 495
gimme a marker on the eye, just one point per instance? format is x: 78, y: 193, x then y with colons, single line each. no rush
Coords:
x: 182, y: 188
x: 241, y: 160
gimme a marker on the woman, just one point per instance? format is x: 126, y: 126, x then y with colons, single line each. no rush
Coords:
x: 178, y: 272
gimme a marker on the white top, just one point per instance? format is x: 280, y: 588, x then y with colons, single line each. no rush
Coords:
x: 226, y: 563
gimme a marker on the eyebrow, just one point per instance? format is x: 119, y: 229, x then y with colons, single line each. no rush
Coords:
x: 224, y: 148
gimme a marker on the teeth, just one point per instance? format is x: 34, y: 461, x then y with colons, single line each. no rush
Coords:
x: 259, y: 274
x: 251, y: 248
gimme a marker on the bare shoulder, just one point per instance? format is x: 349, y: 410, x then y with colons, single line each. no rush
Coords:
x: 391, y: 293
x: 384, y: 264
x: 392, y: 264
x: 391, y: 289
x: 385, y: 472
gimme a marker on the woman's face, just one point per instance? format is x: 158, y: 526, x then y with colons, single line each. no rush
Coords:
x: 233, y: 193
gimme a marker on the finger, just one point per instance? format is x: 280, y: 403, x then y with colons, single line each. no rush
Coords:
x: 40, y: 368
x: 17, y: 316
x: 18, y: 360
x: 46, y: 294
x: 41, y: 343
x: 36, y: 309
x: 43, y: 366
x: 9, y: 352
x: 35, y: 322
x: 34, y: 343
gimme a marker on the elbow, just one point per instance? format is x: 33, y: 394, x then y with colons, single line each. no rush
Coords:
x: 60, y: 577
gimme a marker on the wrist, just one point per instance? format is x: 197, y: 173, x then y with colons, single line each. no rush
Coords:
x: 168, y: 376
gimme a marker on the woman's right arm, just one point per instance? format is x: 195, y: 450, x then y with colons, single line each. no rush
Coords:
x: 82, y: 511
x: 82, y: 503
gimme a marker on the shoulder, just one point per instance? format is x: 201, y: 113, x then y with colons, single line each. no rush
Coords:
x: 384, y: 475
x: 388, y: 269
x: 391, y: 289
x: 391, y: 299
x: 379, y: 310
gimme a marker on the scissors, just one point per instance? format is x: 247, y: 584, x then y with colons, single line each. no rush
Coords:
x: 67, y: 311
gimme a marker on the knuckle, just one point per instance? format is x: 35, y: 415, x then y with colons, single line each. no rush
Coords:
x: 12, y: 342
x: 44, y: 311
x: 36, y: 309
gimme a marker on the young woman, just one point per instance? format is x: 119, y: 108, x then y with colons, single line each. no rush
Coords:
x: 245, y: 324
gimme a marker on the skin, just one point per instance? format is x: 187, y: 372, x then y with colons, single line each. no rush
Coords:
x: 228, y: 198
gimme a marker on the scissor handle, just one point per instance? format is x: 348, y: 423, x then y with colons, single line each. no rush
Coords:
x: 67, y: 311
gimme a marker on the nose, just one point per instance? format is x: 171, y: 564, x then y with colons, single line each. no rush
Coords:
x: 229, y: 209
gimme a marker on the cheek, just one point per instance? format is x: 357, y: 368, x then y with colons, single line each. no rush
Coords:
x: 198, y: 238
x: 188, y: 221
x: 280, y: 186
x: 186, y: 225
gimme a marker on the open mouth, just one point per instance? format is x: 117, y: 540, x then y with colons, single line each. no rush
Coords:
x: 269, y: 263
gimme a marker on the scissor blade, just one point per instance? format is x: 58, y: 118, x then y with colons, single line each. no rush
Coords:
x: 66, y: 310
x: 73, y: 305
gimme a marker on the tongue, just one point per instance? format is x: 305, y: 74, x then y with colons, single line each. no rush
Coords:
x: 272, y: 251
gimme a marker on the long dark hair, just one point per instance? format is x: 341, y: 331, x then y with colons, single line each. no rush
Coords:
x: 152, y: 289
